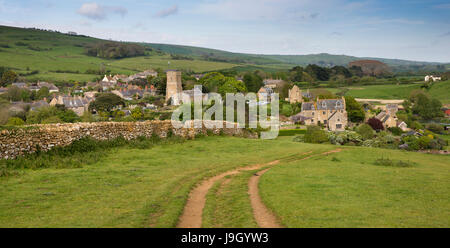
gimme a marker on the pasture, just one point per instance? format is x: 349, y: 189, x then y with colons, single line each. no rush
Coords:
x: 132, y: 187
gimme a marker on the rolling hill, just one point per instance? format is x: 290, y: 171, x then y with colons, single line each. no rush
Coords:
x: 48, y: 55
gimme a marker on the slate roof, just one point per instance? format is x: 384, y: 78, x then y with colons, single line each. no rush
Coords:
x: 383, y: 116
x: 38, y: 104
x: 70, y: 102
x: 330, y: 104
x: 308, y: 106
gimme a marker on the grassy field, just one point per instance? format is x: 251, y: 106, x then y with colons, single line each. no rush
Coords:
x: 149, y: 187
x: 439, y: 90
x: 130, y: 187
x: 346, y: 189
x: 66, y: 53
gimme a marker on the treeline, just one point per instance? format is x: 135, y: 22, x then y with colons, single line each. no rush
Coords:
x: 114, y: 50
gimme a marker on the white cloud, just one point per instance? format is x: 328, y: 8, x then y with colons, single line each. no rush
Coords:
x: 99, y: 12
x: 167, y: 12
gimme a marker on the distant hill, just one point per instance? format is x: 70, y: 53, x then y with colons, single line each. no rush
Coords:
x: 49, y: 55
x: 322, y: 59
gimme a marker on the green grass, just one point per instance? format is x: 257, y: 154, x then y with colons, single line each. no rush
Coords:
x: 439, y: 90
x: 129, y: 187
x: 348, y: 190
x: 228, y: 205
x: 382, y: 91
x: 149, y: 187
x: 66, y: 53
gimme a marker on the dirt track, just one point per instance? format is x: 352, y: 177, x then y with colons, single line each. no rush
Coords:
x: 193, y: 210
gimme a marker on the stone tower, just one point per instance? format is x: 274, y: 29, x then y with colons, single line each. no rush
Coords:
x: 295, y: 95
x: 174, y: 87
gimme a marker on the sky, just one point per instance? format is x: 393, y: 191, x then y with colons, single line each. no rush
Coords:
x: 402, y: 29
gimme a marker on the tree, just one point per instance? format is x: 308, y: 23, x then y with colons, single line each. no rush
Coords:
x: 42, y: 93
x: 106, y: 102
x: 317, y: 72
x: 286, y: 110
x: 253, y: 82
x: 296, y: 74
x: 52, y: 114
x: 354, y: 110
x: 231, y: 85
x: 425, y: 107
x: 341, y: 70
x: 376, y: 124
x: 212, y: 81
x: 160, y: 83
x: 8, y: 77
x: 365, y: 131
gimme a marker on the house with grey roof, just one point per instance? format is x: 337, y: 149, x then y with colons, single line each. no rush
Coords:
x: 78, y: 104
x: 328, y: 112
x: 38, y: 104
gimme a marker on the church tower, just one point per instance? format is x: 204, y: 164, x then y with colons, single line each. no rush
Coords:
x: 174, y: 87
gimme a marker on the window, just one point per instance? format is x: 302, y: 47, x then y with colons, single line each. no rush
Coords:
x: 323, y: 112
x: 339, y: 119
x: 312, y: 120
x: 312, y: 113
x: 325, y: 122
x: 338, y: 126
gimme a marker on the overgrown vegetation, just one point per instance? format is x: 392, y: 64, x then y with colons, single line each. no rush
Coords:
x: 392, y: 163
x: 84, y: 151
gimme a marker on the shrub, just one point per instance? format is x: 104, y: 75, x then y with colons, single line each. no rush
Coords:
x: 376, y: 124
x: 395, y: 131
x: 81, y: 152
x: 51, y: 119
x: 15, y: 121
x: 424, y: 142
x: 435, y: 128
x: 365, y: 131
x: 389, y: 162
x: 315, y: 134
x: 416, y: 125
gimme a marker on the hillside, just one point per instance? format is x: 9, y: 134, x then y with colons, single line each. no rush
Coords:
x: 47, y: 55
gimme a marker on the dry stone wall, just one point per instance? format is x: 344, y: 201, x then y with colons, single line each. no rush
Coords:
x: 20, y: 141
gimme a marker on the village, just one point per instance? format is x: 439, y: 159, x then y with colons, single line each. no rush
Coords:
x: 328, y: 113
x: 242, y: 119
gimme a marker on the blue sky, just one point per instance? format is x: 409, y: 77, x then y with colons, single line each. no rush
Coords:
x: 414, y: 29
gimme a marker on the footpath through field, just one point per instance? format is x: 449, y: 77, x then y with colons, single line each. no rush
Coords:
x: 193, y: 210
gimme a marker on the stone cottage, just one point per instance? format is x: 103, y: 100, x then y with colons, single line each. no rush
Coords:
x: 328, y: 112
